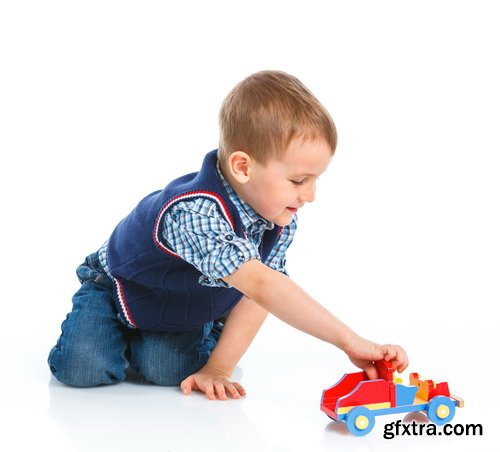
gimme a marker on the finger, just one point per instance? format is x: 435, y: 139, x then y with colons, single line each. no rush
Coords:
x: 389, y: 352
x: 403, y: 361
x: 187, y: 385
x: 397, y: 360
x: 221, y: 391
x: 209, y: 391
x: 393, y: 352
x: 240, y: 389
x: 401, y: 368
x: 397, y: 356
x: 231, y: 388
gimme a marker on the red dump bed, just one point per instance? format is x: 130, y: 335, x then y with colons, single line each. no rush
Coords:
x: 344, y: 386
x: 355, y: 389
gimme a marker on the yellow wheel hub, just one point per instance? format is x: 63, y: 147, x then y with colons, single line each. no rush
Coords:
x: 442, y: 411
x: 361, y: 422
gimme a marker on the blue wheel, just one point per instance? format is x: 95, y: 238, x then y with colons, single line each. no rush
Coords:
x: 441, y: 410
x: 360, y: 421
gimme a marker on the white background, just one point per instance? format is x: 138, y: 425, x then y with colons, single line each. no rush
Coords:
x: 102, y: 102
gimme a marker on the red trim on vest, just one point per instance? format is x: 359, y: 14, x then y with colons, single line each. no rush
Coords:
x: 188, y: 195
x: 123, y: 303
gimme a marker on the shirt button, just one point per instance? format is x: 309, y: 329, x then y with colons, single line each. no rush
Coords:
x: 229, y: 237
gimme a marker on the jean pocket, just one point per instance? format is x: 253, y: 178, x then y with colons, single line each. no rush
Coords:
x: 88, y: 272
x: 85, y: 273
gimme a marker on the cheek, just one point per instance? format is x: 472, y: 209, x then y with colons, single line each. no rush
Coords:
x: 281, y: 196
x: 274, y: 195
x: 269, y: 199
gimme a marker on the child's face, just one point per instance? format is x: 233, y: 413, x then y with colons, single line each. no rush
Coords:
x: 278, y: 189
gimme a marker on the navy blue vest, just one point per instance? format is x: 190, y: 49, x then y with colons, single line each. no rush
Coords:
x: 154, y: 288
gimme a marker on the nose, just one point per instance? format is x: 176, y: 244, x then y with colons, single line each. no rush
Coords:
x: 308, y: 194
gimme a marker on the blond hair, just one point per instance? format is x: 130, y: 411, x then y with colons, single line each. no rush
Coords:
x: 264, y: 112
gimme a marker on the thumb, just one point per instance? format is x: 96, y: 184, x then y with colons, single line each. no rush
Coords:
x: 187, y: 384
x: 371, y: 371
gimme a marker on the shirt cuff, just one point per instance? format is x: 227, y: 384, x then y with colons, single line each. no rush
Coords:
x: 230, y: 253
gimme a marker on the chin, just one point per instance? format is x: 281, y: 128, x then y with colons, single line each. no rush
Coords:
x: 283, y: 221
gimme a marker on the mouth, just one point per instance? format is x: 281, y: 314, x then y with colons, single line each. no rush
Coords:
x: 292, y: 209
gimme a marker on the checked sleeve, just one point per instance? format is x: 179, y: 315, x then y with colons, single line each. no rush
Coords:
x: 197, y: 232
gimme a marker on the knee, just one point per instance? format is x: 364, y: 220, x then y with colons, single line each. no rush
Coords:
x: 164, y: 372
x: 84, y: 368
x: 168, y: 368
x: 166, y: 359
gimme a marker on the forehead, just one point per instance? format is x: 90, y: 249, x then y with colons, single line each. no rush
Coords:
x: 307, y: 157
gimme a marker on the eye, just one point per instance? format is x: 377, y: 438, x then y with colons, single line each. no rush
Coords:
x: 297, y: 181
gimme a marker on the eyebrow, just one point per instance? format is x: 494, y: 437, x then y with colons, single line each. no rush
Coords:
x: 304, y: 175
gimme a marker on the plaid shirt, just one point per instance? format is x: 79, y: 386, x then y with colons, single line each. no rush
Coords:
x: 200, y: 235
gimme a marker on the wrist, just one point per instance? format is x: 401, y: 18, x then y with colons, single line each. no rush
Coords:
x: 347, y: 341
x: 218, y: 367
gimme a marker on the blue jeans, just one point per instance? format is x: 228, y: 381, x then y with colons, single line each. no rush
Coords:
x: 96, y: 348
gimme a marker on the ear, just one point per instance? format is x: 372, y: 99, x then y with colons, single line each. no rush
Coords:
x: 239, y: 164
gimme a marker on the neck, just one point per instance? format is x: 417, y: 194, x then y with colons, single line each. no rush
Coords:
x: 235, y: 185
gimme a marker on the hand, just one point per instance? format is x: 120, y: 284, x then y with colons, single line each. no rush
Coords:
x: 213, y: 383
x: 362, y: 353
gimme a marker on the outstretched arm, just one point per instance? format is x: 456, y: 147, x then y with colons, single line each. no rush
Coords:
x: 286, y: 300
x: 267, y: 290
x: 239, y: 330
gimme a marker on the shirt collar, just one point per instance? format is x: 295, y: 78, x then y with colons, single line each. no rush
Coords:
x: 248, y: 216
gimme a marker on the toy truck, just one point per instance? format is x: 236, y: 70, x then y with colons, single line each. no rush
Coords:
x: 356, y: 400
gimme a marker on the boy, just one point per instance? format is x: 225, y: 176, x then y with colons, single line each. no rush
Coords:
x: 209, y: 247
